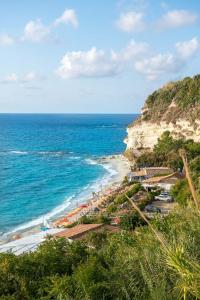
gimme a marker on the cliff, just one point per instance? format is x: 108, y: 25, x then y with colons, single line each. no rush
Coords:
x: 175, y: 107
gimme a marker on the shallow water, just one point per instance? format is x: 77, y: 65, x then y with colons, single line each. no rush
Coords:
x: 46, y: 161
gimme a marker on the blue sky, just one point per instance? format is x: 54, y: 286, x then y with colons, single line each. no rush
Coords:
x: 75, y: 56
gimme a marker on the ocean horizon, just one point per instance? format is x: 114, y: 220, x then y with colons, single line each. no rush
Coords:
x: 49, y: 162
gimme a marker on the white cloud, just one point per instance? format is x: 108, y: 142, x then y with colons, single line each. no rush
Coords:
x: 131, y: 21
x: 177, y: 18
x: 29, y: 77
x: 92, y: 63
x: 11, y: 78
x: 98, y: 63
x: 35, y: 31
x: 188, y: 49
x: 68, y: 17
x: 134, y: 50
x: 157, y: 65
x: 164, y: 64
x: 24, y: 79
x: 6, y: 40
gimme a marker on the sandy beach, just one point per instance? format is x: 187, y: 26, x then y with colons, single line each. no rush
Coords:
x: 120, y: 168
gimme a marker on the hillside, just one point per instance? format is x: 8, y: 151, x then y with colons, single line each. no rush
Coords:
x: 175, y: 107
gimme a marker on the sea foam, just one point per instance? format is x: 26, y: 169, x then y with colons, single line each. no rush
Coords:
x: 76, y: 199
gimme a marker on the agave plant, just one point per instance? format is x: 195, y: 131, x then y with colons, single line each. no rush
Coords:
x: 188, y: 272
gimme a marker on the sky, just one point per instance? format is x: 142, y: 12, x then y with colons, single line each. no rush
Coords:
x: 87, y: 56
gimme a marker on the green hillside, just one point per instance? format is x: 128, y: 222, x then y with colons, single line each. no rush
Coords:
x: 180, y: 99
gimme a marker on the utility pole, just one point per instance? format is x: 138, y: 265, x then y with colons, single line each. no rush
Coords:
x: 189, y: 178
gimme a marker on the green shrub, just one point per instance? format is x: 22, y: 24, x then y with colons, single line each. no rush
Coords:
x: 102, y: 219
x: 120, y: 199
x: 131, y: 220
x: 136, y: 188
x: 86, y: 220
x: 111, y: 208
x: 181, y: 193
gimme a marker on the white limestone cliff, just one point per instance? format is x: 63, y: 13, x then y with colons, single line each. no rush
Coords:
x: 143, y: 135
x: 175, y: 107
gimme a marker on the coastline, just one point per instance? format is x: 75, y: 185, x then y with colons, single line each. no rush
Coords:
x: 117, y: 167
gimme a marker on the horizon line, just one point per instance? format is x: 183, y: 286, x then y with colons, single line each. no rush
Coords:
x: 61, y: 113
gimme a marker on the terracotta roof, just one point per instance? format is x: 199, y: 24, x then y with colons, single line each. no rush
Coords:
x: 152, y: 171
x: 158, y: 179
x: 139, y: 173
x: 77, y: 230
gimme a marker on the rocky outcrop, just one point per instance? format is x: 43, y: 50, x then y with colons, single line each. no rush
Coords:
x: 144, y: 135
x: 164, y: 111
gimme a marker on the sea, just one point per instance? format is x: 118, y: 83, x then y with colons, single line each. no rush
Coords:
x: 50, y: 161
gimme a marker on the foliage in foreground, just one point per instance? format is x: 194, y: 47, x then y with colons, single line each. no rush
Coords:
x: 120, y: 266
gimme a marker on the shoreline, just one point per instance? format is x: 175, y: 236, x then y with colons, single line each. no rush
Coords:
x: 118, y: 167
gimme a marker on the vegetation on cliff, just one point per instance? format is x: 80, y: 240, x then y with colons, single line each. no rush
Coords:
x: 166, y: 152
x: 180, y: 99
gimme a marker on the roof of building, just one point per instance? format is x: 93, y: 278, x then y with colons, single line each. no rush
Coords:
x: 78, y: 230
x: 152, y: 171
x: 158, y: 179
x: 139, y: 173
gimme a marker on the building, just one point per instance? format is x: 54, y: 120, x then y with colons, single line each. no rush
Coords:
x: 145, y: 173
x: 81, y: 230
x: 164, y: 182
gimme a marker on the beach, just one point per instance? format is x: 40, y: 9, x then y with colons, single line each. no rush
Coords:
x: 117, y: 168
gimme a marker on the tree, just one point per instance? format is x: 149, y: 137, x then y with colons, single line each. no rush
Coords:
x: 130, y: 221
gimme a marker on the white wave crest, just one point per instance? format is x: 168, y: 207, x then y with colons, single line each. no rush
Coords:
x: 53, y: 153
x: 18, y: 152
x: 74, y: 157
x: 90, y: 161
x: 56, y: 211
x: 81, y: 196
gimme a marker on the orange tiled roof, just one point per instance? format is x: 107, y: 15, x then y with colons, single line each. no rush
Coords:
x: 158, y: 179
x: 139, y: 173
x: 77, y: 230
x: 152, y: 171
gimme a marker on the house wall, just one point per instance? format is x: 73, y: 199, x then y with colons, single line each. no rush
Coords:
x: 166, y: 186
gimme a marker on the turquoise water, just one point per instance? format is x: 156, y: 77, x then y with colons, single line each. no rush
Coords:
x: 47, y: 162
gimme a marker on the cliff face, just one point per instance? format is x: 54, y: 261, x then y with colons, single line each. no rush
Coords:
x: 175, y: 108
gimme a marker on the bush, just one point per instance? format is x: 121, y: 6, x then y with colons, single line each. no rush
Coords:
x: 86, y: 220
x: 129, y: 155
x: 111, y: 198
x: 120, y: 199
x: 181, y: 193
x: 131, y: 220
x: 147, y: 200
x: 136, y: 188
x: 97, y: 239
x: 166, y: 153
x: 111, y: 208
x: 102, y: 219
